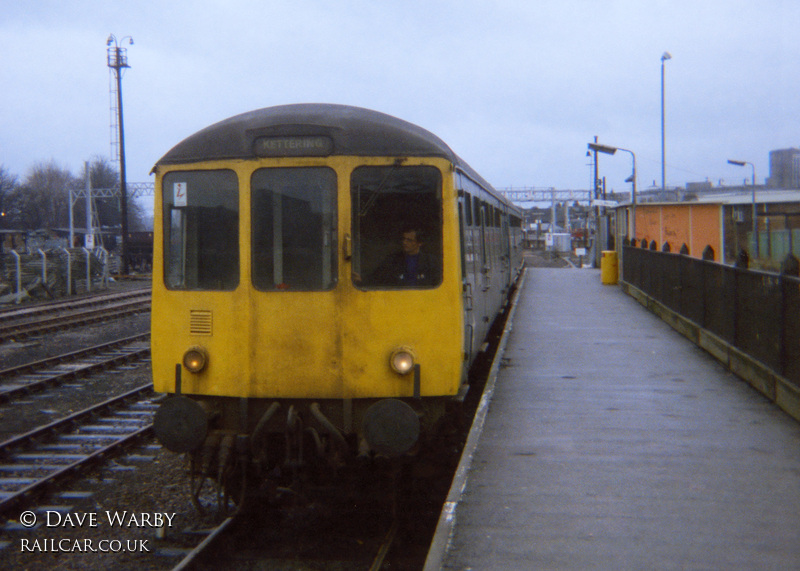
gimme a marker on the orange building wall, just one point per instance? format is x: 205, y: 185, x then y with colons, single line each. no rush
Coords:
x: 696, y: 225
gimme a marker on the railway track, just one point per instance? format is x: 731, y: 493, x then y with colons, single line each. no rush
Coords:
x: 19, y: 323
x: 34, y: 462
x: 211, y: 553
x: 24, y: 379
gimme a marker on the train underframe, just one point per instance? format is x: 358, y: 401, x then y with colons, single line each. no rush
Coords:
x: 291, y: 449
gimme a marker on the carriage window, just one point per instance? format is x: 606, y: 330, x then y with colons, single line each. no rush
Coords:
x: 201, y: 230
x: 468, y: 208
x: 397, y: 227
x: 294, y: 229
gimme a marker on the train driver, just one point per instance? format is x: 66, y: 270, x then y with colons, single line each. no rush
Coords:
x: 412, y: 266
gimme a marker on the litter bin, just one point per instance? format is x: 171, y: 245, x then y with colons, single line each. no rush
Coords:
x: 609, y: 267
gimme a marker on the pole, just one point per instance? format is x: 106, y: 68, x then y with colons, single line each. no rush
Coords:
x: 633, y: 198
x: 595, y: 249
x: 71, y: 221
x: 88, y: 203
x: 664, y: 57
x: 118, y: 59
x: 755, y: 215
x: 123, y: 189
x: 663, y: 136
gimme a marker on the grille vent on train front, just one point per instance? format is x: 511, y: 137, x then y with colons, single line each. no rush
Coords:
x: 200, y: 322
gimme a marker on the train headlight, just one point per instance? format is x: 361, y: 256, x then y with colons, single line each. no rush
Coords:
x: 402, y: 360
x: 195, y: 359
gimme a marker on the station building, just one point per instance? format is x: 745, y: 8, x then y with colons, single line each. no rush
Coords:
x: 764, y: 224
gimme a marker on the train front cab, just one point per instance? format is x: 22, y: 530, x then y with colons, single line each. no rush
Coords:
x: 270, y: 273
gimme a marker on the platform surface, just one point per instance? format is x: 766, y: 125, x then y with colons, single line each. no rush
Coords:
x: 612, y: 442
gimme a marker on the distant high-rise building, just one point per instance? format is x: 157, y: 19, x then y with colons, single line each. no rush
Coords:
x: 784, y: 168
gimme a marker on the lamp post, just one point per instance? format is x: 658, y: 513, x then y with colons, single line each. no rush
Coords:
x: 755, y: 218
x: 118, y: 60
x: 664, y: 57
x: 610, y: 151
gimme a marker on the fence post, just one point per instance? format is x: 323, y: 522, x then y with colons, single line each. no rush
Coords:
x: 88, y: 269
x: 44, y: 268
x: 105, y: 265
x: 790, y: 266
x: 790, y: 299
x: 18, y: 265
x: 69, y: 271
x: 742, y: 260
x: 708, y: 256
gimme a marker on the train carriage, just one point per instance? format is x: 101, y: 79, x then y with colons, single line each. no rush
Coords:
x: 323, y: 277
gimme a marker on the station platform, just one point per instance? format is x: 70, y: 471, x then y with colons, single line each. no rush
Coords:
x: 610, y: 441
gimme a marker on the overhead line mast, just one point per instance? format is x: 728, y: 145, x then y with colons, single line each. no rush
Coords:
x: 117, y: 61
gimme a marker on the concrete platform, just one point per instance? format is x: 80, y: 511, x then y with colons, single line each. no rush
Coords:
x: 612, y: 442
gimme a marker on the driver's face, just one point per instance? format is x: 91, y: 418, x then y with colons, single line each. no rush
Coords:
x: 410, y: 244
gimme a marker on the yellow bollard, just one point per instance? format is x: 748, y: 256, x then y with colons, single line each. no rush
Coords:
x: 609, y: 268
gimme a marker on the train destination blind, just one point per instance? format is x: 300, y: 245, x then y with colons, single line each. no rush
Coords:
x: 296, y: 146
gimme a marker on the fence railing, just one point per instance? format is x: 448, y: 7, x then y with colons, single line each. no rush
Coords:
x: 756, y: 312
x: 52, y: 273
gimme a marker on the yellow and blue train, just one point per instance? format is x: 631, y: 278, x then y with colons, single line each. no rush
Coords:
x: 323, y: 278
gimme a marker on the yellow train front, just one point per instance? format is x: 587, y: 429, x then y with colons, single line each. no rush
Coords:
x: 323, y: 276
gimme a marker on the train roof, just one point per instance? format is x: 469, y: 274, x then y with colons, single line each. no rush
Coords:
x: 326, y: 129
x: 353, y: 131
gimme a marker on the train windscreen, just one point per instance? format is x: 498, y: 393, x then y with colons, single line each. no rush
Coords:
x: 397, y: 227
x: 293, y: 212
x: 201, y: 230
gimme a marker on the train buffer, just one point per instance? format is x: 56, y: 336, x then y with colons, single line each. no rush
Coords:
x: 612, y: 442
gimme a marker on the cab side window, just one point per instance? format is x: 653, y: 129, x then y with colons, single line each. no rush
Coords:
x: 397, y: 227
x: 201, y: 230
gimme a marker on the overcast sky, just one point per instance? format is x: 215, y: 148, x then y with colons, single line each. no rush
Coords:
x: 516, y: 87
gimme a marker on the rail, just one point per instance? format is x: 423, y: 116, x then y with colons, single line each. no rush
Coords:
x: 24, y: 379
x: 84, y: 432
x: 127, y: 305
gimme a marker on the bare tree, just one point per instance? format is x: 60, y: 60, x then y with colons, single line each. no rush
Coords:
x: 8, y: 183
x: 42, y: 200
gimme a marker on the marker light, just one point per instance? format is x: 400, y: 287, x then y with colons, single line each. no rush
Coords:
x: 402, y: 360
x: 195, y: 359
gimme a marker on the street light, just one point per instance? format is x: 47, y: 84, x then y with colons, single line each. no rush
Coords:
x: 602, y: 148
x: 755, y: 219
x: 664, y: 57
x: 610, y: 151
x: 117, y: 60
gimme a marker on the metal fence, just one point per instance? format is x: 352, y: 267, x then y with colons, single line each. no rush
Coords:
x: 756, y: 312
x: 52, y: 273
